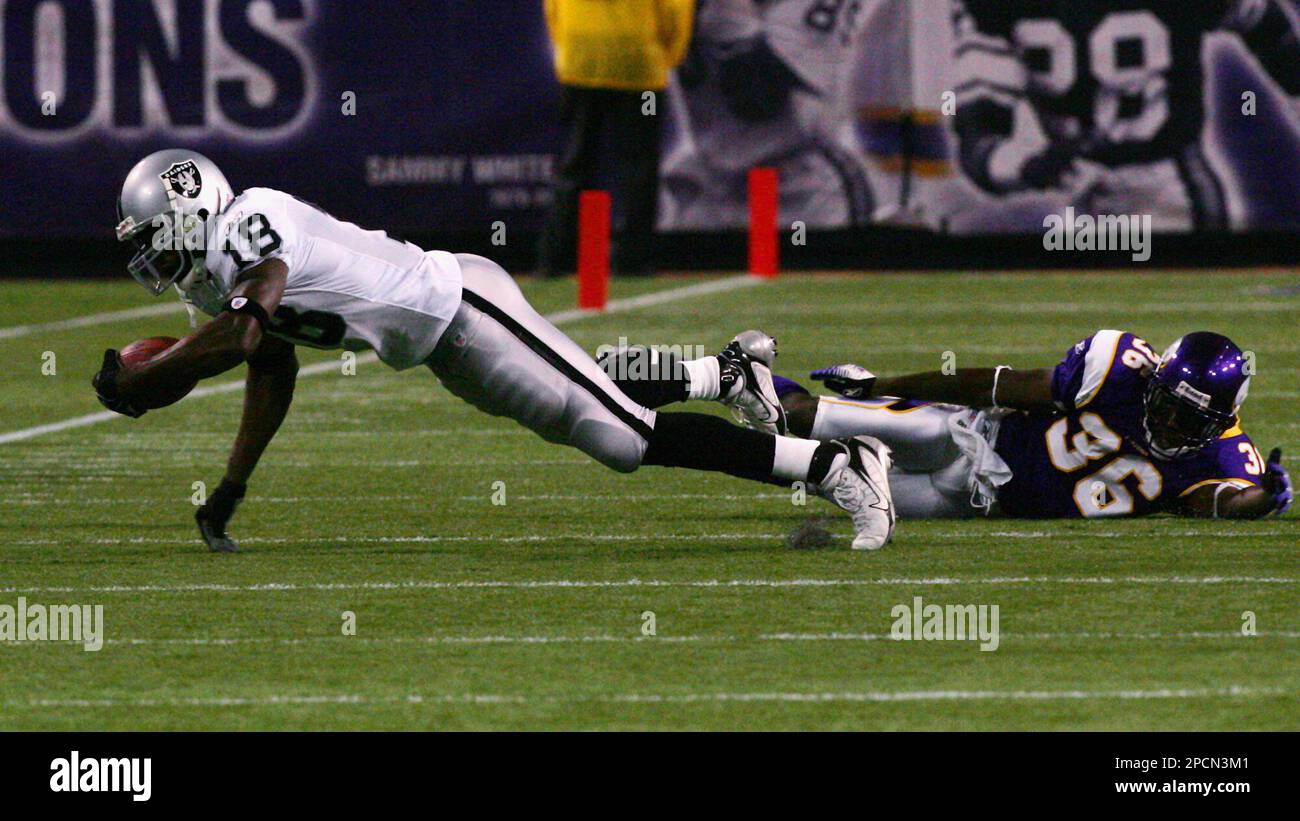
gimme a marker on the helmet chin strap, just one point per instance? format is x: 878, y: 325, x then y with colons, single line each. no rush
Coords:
x: 197, y: 274
x: 190, y: 311
x: 197, y: 287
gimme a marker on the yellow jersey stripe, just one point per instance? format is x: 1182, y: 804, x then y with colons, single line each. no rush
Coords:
x: 1242, y: 483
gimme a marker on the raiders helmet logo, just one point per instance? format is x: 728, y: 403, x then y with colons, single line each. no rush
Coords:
x: 183, y: 179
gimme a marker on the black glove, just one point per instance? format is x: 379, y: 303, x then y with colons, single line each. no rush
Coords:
x: 215, y: 514
x: 756, y: 83
x: 105, y: 384
x: 1045, y: 170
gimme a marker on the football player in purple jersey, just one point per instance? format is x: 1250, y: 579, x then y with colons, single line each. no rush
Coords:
x: 1113, y: 430
x: 1117, y: 89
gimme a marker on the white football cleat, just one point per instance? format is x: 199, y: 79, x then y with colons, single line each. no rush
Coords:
x: 746, y: 373
x: 859, y: 483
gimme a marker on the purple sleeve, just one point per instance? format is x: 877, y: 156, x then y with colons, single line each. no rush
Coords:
x: 1238, y: 459
x: 1110, y: 364
x: 785, y: 387
x: 1068, y: 375
x: 1232, y: 460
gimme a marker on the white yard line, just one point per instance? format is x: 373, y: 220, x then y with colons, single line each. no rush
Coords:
x: 1084, y: 636
x: 556, y: 537
x: 1234, y: 691
x: 866, y: 696
x: 1106, y: 534
x: 581, y: 584
x: 54, y: 427
x: 617, y: 537
x: 637, y: 537
x: 829, y: 311
x: 197, y: 393
x: 90, y: 320
x: 486, y: 497
x: 235, y: 641
x: 558, y: 318
x: 713, y: 286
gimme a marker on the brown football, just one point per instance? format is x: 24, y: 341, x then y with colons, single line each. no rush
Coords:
x: 141, y: 351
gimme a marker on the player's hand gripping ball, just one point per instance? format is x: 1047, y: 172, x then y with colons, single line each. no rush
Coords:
x: 142, y: 350
x: 135, y: 355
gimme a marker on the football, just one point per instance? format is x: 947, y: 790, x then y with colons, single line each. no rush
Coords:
x: 141, y: 351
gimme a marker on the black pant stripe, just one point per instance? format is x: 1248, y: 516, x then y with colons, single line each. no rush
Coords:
x: 558, y: 362
x: 1209, y: 203
x: 857, y: 188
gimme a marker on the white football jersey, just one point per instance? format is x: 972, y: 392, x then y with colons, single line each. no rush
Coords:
x: 816, y: 39
x: 347, y: 287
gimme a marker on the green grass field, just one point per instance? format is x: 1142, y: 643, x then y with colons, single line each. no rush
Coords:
x: 376, y: 499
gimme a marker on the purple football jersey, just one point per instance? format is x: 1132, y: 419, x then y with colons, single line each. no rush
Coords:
x: 1090, y: 460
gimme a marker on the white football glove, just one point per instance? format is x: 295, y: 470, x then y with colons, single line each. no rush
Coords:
x: 851, y: 381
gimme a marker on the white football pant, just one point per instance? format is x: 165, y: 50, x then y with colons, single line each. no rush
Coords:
x: 503, y: 357
x: 944, y: 462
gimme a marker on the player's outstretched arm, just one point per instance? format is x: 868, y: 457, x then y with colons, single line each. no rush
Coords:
x: 1029, y: 390
x: 1225, y: 501
x: 268, y: 392
x: 1228, y: 502
x: 219, y: 345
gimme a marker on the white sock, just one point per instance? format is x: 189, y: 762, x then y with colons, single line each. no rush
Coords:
x: 793, y: 458
x: 705, y: 378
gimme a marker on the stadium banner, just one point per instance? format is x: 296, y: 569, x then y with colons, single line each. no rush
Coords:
x: 440, y: 116
x: 975, y: 117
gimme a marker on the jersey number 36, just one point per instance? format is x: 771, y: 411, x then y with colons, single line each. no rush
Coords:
x: 1103, y: 492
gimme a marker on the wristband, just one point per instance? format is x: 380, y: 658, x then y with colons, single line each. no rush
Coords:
x: 997, y: 374
x: 1222, y: 487
x: 244, y: 305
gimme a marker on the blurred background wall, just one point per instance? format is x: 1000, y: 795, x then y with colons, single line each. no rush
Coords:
x: 437, y: 120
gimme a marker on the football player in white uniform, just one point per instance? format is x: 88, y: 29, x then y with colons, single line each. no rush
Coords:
x: 1117, y: 93
x: 763, y: 86
x: 275, y: 272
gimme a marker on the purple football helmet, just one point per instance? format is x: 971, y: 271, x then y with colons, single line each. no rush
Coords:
x: 1194, y: 396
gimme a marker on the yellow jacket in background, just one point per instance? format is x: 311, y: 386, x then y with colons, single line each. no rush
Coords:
x: 625, y: 44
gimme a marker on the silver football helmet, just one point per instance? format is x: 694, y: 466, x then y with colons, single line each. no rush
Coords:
x: 163, y: 210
